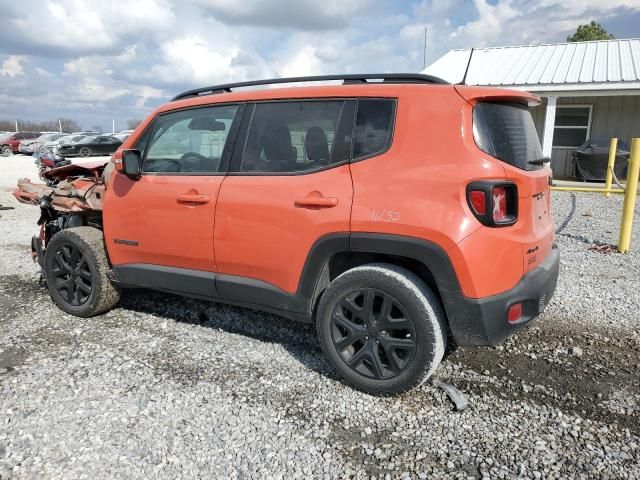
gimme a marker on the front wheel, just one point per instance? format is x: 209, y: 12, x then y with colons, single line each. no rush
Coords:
x: 75, y: 264
x: 6, y: 151
x: 382, y: 328
x: 85, y: 152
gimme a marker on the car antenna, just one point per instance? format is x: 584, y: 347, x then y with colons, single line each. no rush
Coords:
x: 466, y: 70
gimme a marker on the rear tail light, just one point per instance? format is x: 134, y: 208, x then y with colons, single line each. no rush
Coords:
x: 499, y: 204
x: 478, y: 202
x: 494, y: 203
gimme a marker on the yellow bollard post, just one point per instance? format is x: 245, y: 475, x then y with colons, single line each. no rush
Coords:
x: 610, y: 166
x: 631, y: 190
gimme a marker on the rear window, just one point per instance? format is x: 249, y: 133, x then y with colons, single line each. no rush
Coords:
x: 506, y: 131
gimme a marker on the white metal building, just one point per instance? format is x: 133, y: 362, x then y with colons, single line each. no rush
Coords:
x: 589, y: 89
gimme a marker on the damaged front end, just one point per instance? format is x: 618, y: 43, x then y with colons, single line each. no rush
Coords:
x: 71, y: 197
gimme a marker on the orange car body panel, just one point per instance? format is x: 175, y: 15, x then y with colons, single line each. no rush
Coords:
x: 416, y: 188
x: 261, y: 234
x: 165, y: 231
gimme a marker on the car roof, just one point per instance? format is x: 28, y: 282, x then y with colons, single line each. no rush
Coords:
x: 392, y: 85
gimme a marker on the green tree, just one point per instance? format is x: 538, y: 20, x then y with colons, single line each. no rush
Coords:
x: 590, y: 31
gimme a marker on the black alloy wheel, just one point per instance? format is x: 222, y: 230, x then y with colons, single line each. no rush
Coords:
x: 71, y: 274
x: 373, y: 334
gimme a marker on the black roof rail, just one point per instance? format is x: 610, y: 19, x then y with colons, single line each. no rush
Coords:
x: 346, y: 79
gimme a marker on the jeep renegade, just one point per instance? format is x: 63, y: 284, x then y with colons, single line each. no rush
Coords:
x: 396, y: 212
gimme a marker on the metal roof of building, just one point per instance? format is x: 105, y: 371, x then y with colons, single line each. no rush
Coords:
x: 597, y: 65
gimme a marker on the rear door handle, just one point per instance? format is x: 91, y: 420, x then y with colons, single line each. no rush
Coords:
x: 316, y: 202
x: 193, y: 198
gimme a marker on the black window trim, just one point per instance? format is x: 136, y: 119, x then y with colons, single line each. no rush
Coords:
x: 394, y: 101
x: 229, y: 147
x: 236, y: 163
x: 238, y: 136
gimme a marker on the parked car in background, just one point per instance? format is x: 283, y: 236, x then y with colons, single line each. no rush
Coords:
x: 54, y: 145
x: 91, y: 145
x: 11, y: 142
x: 29, y: 146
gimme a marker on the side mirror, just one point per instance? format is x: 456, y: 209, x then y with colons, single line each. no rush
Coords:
x: 131, y: 160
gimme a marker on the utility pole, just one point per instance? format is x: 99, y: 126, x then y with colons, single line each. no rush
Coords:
x: 113, y: 126
x: 424, y: 51
x: 16, y: 125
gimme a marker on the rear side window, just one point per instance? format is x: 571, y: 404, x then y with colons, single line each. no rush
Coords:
x: 506, y: 131
x: 288, y: 137
x: 374, y: 127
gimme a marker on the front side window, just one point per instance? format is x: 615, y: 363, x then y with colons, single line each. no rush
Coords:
x: 189, y: 141
x: 572, y: 125
x: 286, y: 137
x: 374, y: 127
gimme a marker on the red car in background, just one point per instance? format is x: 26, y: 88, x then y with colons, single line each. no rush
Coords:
x: 9, y: 143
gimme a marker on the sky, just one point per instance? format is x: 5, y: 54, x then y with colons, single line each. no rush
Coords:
x: 98, y: 61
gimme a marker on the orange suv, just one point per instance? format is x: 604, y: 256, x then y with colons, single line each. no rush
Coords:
x: 395, y: 211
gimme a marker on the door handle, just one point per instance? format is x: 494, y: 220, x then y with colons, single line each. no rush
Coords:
x: 315, y: 203
x: 193, y: 198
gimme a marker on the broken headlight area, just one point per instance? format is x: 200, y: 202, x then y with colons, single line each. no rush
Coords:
x: 71, y: 197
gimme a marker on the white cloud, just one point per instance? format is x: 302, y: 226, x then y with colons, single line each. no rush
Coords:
x: 199, y: 60
x: 97, y: 60
x: 298, y: 15
x: 12, y: 66
x: 83, y: 26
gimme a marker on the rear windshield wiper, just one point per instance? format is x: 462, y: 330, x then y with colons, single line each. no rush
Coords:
x: 539, y: 161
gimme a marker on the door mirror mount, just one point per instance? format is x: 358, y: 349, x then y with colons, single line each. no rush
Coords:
x: 131, y: 161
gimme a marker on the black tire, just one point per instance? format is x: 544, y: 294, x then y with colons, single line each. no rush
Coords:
x: 389, y: 353
x: 85, y: 152
x: 6, y: 151
x: 75, y: 264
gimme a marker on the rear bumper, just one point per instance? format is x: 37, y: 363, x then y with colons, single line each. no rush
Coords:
x: 478, y: 322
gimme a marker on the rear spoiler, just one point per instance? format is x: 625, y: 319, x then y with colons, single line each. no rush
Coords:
x: 478, y: 94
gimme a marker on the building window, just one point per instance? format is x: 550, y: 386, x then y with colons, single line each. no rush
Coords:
x: 573, y: 125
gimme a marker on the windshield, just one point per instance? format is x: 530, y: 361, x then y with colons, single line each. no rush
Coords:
x: 506, y: 131
x: 87, y: 140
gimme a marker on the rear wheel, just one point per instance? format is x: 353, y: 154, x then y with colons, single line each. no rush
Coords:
x: 382, y: 328
x: 6, y: 151
x: 85, y: 152
x: 76, y: 266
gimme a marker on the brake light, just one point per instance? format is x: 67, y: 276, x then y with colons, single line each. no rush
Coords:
x: 493, y: 202
x: 499, y: 204
x: 478, y: 202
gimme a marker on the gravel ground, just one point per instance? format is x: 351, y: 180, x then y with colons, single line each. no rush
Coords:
x: 176, y: 388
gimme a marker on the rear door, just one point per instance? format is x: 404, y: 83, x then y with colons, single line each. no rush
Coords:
x: 289, y: 186
x: 164, y: 220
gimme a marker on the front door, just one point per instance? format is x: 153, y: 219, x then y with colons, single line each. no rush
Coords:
x: 289, y: 185
x: 163, y: 222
